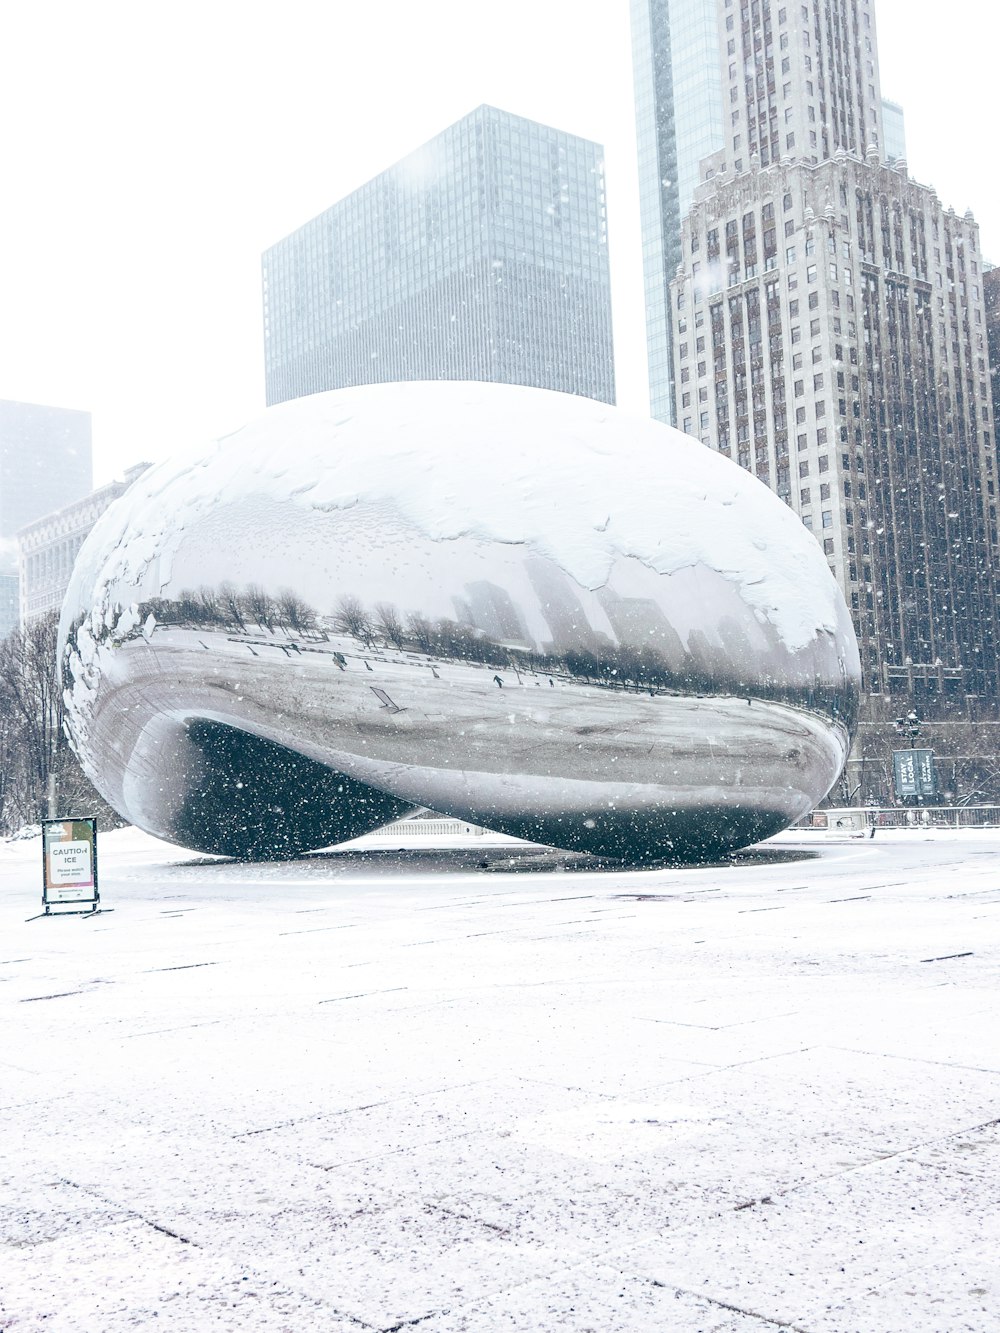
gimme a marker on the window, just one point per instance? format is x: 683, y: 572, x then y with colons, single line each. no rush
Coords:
x: 804, y: 496
x: 811, y: 273
x: 803, y: 469
x: 827, y: 518
x: 789, y: 254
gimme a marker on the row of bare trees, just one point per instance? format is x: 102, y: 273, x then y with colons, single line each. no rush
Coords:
x: 36, y: 762
x: 237, y: 609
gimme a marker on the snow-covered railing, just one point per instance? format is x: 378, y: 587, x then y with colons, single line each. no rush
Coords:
x: 858, y: 818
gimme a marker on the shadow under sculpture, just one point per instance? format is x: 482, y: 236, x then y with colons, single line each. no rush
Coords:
x: 523, y: 609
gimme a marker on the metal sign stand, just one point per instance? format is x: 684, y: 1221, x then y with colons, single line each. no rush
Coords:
x: 69, y: 868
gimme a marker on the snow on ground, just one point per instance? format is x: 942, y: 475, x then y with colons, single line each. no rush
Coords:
x: 484, y: 1087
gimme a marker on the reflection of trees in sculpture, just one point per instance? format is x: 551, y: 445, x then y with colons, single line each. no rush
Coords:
x: 260, y: 606
x: 389, y: 624
x: 232, y: 605
x: 699, y: 668
x: 230, y: 608
x: 292, y: 611
x: 350, y: 617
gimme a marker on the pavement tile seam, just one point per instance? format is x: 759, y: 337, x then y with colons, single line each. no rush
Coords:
x: 921, y: 1059
x: 767, y: 1321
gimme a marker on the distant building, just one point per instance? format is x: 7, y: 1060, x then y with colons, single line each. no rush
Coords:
x: 45, y: 462
x: 481, y: 256
x: 679, y: 122
x: 894, y: 130
x: 50, y: 545
x: 719, y: 87
x: 830, y: 328
x: 10, y: 608
x: 991, y: 294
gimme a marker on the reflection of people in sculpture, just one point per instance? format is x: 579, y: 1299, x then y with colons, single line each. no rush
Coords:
x: 499, y: 682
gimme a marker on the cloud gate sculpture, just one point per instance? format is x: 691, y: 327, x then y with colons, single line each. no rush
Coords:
x: 520, y: 608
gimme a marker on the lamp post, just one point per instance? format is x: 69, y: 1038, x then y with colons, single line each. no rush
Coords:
x: 909, y: 726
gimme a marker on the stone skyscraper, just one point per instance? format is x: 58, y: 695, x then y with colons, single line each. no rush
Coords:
x: 828, y: 330
x: 481, y: 256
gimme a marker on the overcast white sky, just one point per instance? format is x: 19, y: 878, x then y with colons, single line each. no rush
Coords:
x: 151, y: 151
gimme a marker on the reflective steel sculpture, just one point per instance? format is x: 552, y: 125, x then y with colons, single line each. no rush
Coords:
x: 524, y: 609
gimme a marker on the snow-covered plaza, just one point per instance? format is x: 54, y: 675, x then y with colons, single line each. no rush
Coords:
x: 487, y: 1087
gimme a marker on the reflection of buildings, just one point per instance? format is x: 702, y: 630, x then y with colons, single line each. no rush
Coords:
x: 491, y: 610
x: 49, y: 546
x: 562, y: 609
x: 481, y: 256
x: 828, y: 334
x: 640, y: 622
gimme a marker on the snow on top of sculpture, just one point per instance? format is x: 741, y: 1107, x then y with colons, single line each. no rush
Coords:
x: 576, y: 480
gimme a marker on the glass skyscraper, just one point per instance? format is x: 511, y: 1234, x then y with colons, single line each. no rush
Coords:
x: 678, y: 98
x: 45, y: 461
x: 481, y: 256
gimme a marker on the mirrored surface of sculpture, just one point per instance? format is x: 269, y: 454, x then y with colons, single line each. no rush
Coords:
x: 520, y: 608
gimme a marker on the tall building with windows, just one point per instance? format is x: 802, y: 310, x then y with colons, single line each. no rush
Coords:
x: 756, y: 80
x: 679, y: 121
x: 829, y: 327
x: 481, y: 256
x: 894, y: 128
x: 47, y: 548
x: 45, y: 461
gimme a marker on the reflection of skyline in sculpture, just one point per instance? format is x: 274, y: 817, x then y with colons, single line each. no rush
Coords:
x: 420, y: 659
x: 491, y: 610
x: 568, y: 623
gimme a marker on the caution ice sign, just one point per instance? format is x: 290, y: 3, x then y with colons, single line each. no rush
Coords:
x: 69, y: 875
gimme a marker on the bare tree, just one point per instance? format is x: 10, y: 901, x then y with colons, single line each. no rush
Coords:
x: 294, y: 613
x: 34, y: 700
x: 209, y: 605
x: 231, y: 606
x: 420, y: 629
x: 389, y: 624
x: 350, y: 617
x: 259, y: 605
